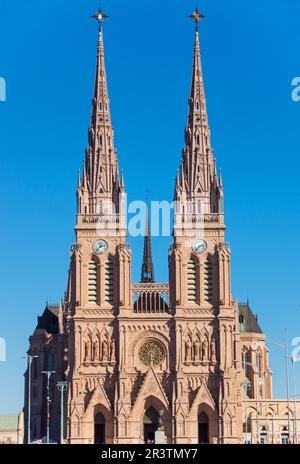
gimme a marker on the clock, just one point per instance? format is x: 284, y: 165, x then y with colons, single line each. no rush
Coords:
x: 199, y: 246
x: 100, y: 247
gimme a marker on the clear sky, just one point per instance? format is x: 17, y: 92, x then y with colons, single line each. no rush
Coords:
x: 250, y: 54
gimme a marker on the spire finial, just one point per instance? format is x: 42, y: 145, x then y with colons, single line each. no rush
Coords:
x: 100, y: 17
x: 196, y: 16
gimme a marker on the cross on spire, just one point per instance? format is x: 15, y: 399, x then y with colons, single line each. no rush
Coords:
x: 100, y: 17
x: 196, y: 16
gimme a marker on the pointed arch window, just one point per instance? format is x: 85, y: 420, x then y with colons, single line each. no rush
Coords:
x: 208, y: 280
x: 109, y: 282
x: 259, y: 363
x: 191, y: 281
x: 92, y: 282
x: 246, y: 361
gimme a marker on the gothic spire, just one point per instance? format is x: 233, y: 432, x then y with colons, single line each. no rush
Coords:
x: 147, y: 267
x: 197, y: 130
x: 196, y: 181
x: 101, y: 172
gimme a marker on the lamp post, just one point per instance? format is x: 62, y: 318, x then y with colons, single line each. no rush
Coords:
x: 62, y: 387
x: 48, y: 375
x: 294, y: 359
x: 286, y: 356
x: 246, y: 385
x: 30, y: 358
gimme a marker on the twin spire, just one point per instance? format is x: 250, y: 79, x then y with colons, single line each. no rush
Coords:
x: 197, y: 181
x: 100, y: 180
x: 197, y: 178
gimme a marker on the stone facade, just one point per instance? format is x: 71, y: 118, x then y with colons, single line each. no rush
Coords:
x: 146, y: 357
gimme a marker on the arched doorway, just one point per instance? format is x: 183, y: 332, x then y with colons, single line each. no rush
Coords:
x: 203, y: 428
x: 151, y: 424
x: 99, y: 429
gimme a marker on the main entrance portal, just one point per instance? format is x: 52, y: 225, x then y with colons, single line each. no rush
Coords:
x: 99, y: 429
x: 151, y: 425
x: 203, y: 428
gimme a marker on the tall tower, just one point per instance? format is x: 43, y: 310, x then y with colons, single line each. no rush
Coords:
x: 207, y: 344
x: 99, y: 277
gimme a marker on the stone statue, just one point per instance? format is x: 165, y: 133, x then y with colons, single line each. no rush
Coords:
x: 112, y: 350
x: 205, y: 350
x: 87, y: 350
x: 97, y: 350
x: 213, y: 350
x: 188, y: 350
x: 197, y: 350
x: 105, y: 351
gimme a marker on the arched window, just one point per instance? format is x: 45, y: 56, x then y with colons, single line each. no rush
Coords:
x: 191, y: 281
x: 208, y: 280
x: 109, y: 282
x: 245, y: 360
x: 259, y: 363
x: 92, y: 282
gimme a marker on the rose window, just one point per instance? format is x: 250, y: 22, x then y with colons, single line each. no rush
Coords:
x: 151, y: 353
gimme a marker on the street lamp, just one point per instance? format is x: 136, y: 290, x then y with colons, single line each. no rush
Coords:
x: 62, y: 387
x: 48, y: 374
x: 246, y: 386
x: 30, y: 358
x: 286, y: 356
x: 294, y: 359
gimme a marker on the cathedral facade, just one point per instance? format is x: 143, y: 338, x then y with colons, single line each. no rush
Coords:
x: 179, y: 357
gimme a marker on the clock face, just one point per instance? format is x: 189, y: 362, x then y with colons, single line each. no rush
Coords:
x: 100, y: 247
x: 199, y: 246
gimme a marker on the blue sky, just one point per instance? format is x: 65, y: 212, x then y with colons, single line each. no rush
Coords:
x: 250, y: 53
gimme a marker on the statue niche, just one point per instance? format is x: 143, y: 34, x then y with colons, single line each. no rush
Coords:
x: 188, y: 350
x: 197, y: 351
x: 213, y: 355
x: 105, y: 353
x: 96, y: 351
x: 88, y: 351
x: 205, y: 357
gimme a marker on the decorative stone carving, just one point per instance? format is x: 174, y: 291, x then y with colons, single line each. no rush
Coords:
x: 112, y: 351
x: 197, y: 350
x: 87, y: 351
x: 188, y: 350
x: 96, y: 357
x: 151, y: 353
x: 213, y: 356
x: 104, y: 351
x: 205, y: 350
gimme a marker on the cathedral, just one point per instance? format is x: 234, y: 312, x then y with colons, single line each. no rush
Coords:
x: 181, y: 361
